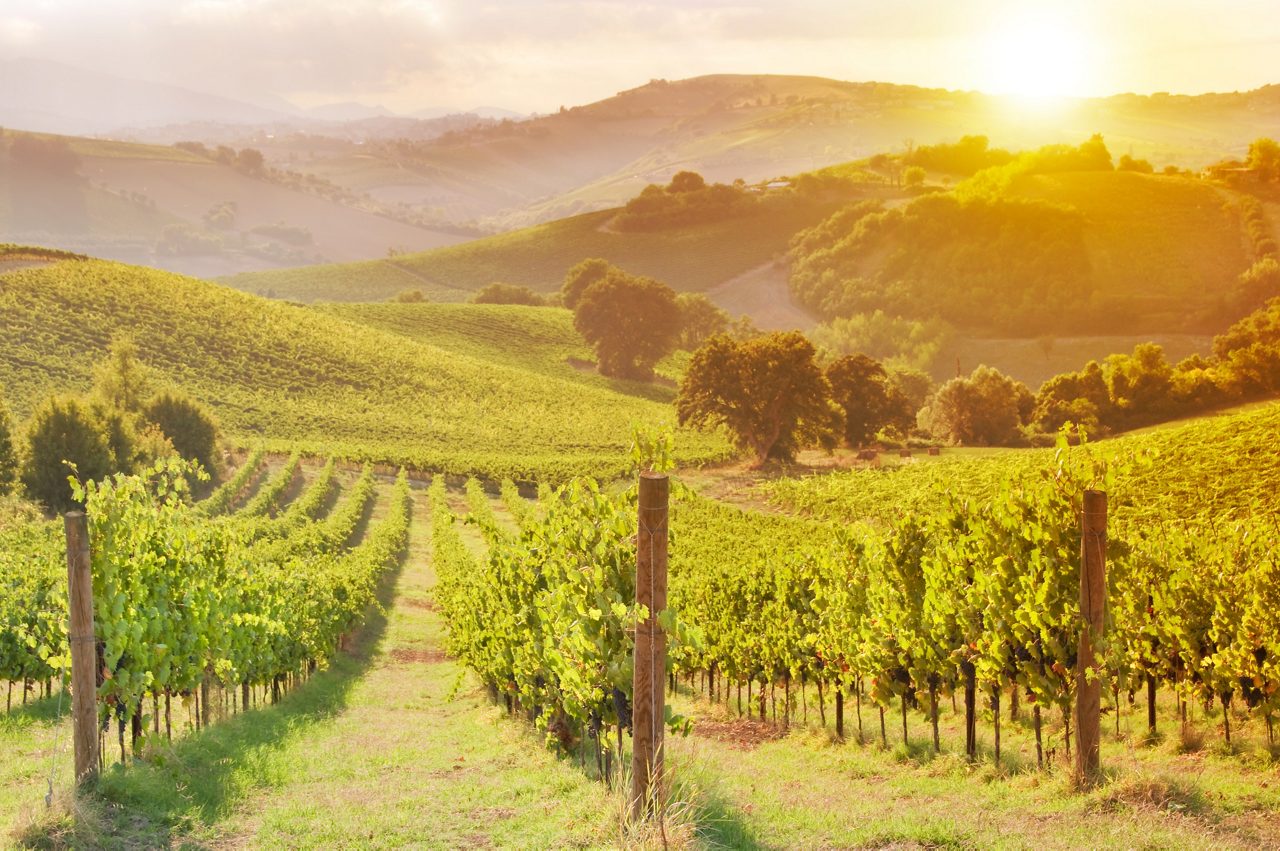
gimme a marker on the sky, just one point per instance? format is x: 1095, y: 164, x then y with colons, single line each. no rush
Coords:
x: 536, y: 56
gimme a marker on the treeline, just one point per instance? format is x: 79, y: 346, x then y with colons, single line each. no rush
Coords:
x: 687, y: 200
x: 1133, y: 390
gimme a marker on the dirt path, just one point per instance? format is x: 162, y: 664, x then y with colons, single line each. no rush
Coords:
x: 762, y: 293
x: 408, y: 762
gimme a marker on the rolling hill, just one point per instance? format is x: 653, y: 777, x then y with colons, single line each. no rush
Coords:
x: 1070, y: 253
x: 695, y: 258
x: 295, y: 377
x: 754, y: 127
x: 117, y: 200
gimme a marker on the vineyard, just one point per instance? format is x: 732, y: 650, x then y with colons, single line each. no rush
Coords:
x: 963, y: 596
x: 190, y: 598
x: 293, y: 378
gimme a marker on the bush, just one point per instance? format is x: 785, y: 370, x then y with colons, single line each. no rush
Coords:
x: 508, y: 294
x: 64, y: 431
x: 188, y: 426
x: 409, y: 297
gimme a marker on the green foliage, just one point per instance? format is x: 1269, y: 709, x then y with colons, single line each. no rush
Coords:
x: 1128, y: 163
x: 971, y: 154
x: 508, y: 294
x: 64, y: 437
x: 906, y: 342
x: 8, y: 451
x: 767, y: 391
x: 581, y: 276
x: 700, y: 319
x: 1264, y: 156
x: 222, y: 499
x: 179, y: 599
x: 631, y: 322
x: 188, y: 425
x: 1008, y: 263
x: 687, y: 201
x: 987, y: 408
x: 121, y: 380
x: 862, y: 390
x: 546, y: 618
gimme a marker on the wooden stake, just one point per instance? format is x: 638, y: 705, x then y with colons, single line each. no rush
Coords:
x: 649, y: 701
x: 84, y: 648
x: 1093, y: 595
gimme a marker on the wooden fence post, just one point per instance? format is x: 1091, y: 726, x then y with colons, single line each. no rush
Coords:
x: 84, y: 646
x: 1093, y: 596
x: 648, y: 695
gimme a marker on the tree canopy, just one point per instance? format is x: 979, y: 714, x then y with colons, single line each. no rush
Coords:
x: 862, y: 390
x: 631, y: 322
x: 768, y: 391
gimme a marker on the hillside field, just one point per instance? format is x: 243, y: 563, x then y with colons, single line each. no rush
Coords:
x: 696, y: 258
x: 304, y: 379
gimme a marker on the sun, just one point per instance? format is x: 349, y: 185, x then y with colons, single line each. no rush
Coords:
x: 1039, y: 57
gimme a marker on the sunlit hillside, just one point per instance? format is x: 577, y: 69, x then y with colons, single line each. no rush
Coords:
x: 299, y: 378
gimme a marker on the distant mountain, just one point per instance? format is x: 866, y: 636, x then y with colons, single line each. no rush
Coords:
x: 51, y: 97
x: 497, y: 112
x: 348, y: 111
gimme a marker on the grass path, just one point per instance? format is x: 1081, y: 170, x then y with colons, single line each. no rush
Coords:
x: 388, y: 747
x: 409, y: 763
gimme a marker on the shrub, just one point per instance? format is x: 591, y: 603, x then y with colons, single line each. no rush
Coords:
x: 508, y: 294
x: 62, y: 432
x: 188, y: 426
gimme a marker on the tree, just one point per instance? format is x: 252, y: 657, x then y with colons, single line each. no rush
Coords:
x: 508, y: 294
x: 700, y: 319
x: 767, y: 391
x: 686, y: 181
x: 1128, y: 163
x: 983, y: 409
x: 63, y: 431
x: 1264, y: 157
x: 188, y: 425
x: 250, y: 161
x: 1080, y: 397
x: 8, y: 455
x: 580, y: 277
x: 860, y: 387
x: 409, y: 297
x: 121, y: 381
x: 1140, y: 385
x: 913, y: 177
x: 631, y: 322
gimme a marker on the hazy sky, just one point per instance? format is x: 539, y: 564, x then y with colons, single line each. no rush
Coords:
x: 535, y: 56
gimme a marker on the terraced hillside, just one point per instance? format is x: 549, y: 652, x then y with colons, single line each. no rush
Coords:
x: 296, y: 377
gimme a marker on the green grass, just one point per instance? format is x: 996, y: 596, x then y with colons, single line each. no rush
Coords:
x: 808, y: 789
x: 688, y: 259
x: 297, y: 378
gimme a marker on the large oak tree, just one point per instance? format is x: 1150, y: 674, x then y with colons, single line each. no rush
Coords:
x: 768, y: 391
x: 631, y: 322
